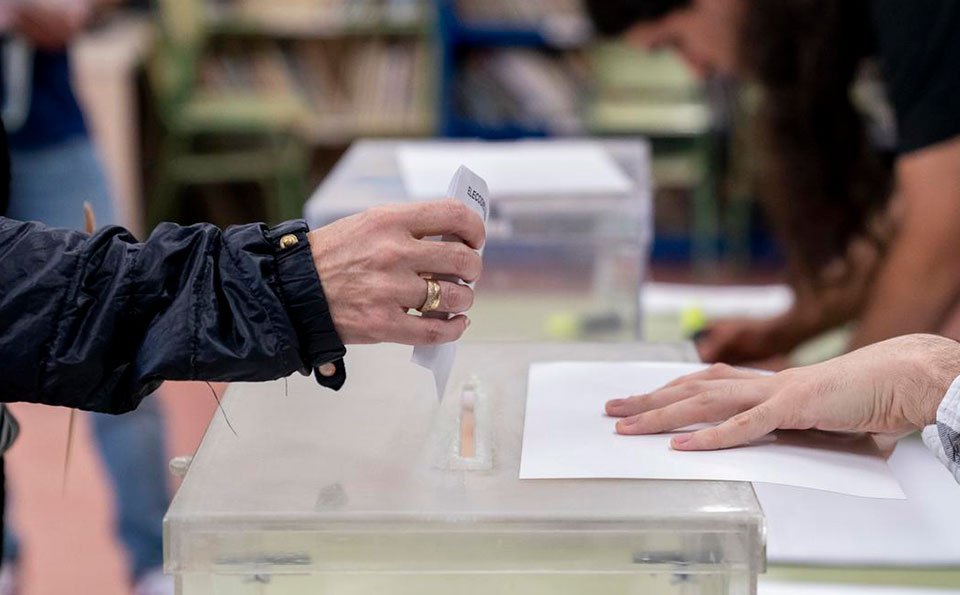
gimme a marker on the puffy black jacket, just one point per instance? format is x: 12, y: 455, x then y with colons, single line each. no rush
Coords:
x: 98, y: 322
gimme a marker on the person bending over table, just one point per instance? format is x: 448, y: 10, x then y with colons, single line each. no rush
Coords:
x: 826, y: 189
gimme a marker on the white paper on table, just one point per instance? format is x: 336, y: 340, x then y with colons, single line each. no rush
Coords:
x: 524, y: 168
x: 824, y: 529
x: 754, y: 301
x: 782, y: 588
x: 567, y: 435
x: 471, y: 190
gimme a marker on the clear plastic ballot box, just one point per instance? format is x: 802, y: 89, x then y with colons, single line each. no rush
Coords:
x: 565, y: 264
x: 380, y: 489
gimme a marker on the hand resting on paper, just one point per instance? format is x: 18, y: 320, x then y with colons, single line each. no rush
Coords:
x: 372, y: 265
x: 890, y: 388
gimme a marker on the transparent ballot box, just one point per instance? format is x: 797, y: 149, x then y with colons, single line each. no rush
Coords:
x: 382, y: 489
x: 557, y: 265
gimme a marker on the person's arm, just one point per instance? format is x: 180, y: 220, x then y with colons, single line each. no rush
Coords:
x: 818, y: 307
x: 919, y: 282
x: 888, y: 389
x: 750, y: 340
x: 98, y: 322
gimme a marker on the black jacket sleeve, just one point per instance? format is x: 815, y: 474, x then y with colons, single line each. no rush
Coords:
x: 98, y: 322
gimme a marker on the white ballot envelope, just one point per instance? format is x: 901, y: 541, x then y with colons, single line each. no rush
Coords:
x: 471, y: 190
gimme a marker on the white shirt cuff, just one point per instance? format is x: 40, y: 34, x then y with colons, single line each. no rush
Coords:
x: 944, y: 437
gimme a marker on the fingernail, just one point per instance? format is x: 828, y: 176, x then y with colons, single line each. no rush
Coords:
x: 615, y: 403
x: 467, y: 324
x: 630, y: 421
x: 681, y: 439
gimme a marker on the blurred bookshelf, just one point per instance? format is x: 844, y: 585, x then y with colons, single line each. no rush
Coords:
x: 355, y: 67
x: 494, y: 69
x: 314, y: 19
x: 514, y: 69
x: 488, y: 69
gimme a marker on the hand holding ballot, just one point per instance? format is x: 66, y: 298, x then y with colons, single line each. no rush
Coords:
x: 373, y: 267
x: 890, y: 388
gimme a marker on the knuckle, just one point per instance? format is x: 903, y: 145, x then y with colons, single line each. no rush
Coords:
x: 474, y: 264
x: 711, y: 439
x: 465, y: 262
x: 379, y: 325
x: 762, y: 415
x: 452, y: 210
x: 655, y: 421
x: 432, y: 333
x: 719, y: 369
x: 457, y: 210
x: 635, y: 404
x: 379, y: 216
x: 786, y: 407
x: 384, y: 291
x: 705, y: 400
x: 393, y: 254
x: 461, y: 298
x: 460, y: 259
x: 743, y: 420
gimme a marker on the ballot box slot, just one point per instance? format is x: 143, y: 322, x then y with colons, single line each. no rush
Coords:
x: 471, y: 445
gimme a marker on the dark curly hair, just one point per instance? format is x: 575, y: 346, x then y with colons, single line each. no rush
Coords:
x: 822, y: 184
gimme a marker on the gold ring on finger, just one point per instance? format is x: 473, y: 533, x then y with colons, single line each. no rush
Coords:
x: 432, y: 302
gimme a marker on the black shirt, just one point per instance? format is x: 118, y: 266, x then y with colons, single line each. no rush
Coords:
x: 918, y: 44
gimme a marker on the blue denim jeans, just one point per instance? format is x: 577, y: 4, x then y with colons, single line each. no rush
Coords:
x: 50, y: 185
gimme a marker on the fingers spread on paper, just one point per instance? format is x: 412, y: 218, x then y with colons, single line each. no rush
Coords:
x: 736, y: 431
x: 713, y: 395
x: 706, y: 407
x: 714, y: 372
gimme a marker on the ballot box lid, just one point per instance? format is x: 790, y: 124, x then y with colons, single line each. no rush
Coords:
x: 376, y: 478
x: 370, y: 174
